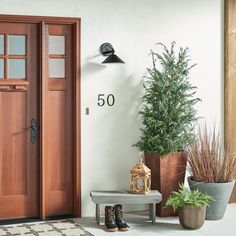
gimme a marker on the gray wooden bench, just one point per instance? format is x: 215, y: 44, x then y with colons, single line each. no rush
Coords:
x: 119, y: 197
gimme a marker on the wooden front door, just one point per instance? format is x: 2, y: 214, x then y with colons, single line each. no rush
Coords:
x: 19, y: 183
x: 39, y: 116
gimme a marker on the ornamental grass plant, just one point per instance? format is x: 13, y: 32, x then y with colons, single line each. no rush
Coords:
x: 208, y: 161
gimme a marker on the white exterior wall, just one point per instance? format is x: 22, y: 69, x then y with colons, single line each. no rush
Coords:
x: 133, y: 27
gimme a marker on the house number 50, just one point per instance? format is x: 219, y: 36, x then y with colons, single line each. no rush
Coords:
x: 103, y: 99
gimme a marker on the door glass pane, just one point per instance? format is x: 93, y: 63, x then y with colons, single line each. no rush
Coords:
x: 16, y: 44
x: 1, y: 44
x: 16, y: 68
x: 57, y: 68
x: 1, y: 68
x: 57, y: 45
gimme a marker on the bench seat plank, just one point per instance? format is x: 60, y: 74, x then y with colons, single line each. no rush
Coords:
x: 125, y: 197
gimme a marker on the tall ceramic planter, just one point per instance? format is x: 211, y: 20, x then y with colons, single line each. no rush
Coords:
x: 219, y: 191
x: 167, y: 172
x: 192, y: 217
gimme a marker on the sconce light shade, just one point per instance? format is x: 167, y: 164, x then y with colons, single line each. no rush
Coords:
x: 108, y: 51
x: 113, y: 58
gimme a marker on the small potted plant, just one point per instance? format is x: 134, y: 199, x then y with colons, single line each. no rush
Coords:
x: 192, y: 206
x: 169, y: 117
x: 212, y: 171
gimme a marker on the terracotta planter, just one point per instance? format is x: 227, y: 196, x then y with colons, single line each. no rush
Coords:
x: 191, y: 217
x: 167, y: 172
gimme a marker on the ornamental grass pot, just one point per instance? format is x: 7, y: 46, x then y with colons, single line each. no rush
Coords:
x: 219, y: 191
x: 167, y: 172
x: 192, y: 217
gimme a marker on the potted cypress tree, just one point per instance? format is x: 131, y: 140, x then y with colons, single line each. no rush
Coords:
x: 192, y: 206
x: 169, y: 119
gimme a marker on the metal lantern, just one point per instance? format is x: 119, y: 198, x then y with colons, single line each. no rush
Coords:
x: 140, y: 179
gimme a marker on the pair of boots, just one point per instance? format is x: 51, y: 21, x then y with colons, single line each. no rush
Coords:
x: 114, y: 219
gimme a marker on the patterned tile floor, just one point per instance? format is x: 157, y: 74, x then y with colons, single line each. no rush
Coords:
x: 68, y: 227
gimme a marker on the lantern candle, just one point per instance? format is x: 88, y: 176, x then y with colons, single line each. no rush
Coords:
x: 140, y: 179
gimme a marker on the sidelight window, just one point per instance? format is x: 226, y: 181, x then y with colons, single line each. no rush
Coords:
x: 56, y: 68
x: 57, y: 57
x: 57, y: 44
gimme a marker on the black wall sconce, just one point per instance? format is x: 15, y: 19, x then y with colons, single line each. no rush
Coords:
x: 108, y: 51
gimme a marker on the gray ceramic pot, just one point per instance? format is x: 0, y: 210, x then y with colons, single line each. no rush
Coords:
x: 219, y: 191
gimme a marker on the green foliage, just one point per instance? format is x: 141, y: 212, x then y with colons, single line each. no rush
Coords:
x: 186, y: 197
x: 168, y: 112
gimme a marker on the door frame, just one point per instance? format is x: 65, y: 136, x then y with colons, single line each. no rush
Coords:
x: 229, y: 73
x: 41, y: 21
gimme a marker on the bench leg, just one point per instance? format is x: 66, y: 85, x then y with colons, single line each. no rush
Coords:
x: 98, y: 213
x: 152, y: 212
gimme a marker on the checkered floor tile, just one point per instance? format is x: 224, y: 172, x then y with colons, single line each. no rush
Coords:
x: 48, y: 228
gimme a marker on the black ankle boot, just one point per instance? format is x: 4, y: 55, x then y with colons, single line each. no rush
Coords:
x: 110, y: 219
x: 120, y: 223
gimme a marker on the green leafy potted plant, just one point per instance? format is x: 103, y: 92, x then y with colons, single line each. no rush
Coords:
x: 212, y: 171
x: 169, y: 118
x: 192, y: 206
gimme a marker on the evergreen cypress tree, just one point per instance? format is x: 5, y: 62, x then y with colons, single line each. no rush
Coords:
x: 168, y: 112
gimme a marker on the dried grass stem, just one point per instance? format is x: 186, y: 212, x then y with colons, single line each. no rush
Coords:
x: 208, y: 161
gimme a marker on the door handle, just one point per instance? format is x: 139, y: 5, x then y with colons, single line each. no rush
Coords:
x: 33, y: 131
